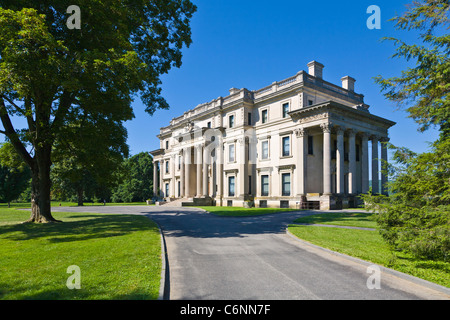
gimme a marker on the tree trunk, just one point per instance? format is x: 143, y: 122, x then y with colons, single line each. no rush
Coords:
x: 80, y: 196
x: 40, y: 188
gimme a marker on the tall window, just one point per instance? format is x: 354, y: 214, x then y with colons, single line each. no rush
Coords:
x: 285, y: 110
x: 286, y: 184
x: 286, y: 146
x: 167, y: 166
x: 310, y: 145
x: 264, y: 116
x: 167, y: 190
x: 249, y: 119
x: 209, y: 125
x: 265, y: 150
x: 231, y: 186
x: 231, y: 121
x: 265, y: 185
x: 231, y: 153
x: 167, y: 144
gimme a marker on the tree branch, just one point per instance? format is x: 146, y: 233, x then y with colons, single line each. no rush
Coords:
x: 11, y: 133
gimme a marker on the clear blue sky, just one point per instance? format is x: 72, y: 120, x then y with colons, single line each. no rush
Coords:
x: 250, y: 44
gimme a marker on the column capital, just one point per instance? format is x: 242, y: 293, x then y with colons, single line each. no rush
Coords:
x: 326, y: 127
x: 384, y: 139
x: 339, y: 130
x: 351, y: 132
x: 375, y: 137
x: 301, y: 132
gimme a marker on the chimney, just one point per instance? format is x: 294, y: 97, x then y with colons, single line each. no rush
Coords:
x: 348, y: 83
x: 315, y: 69
x: 233, y: 90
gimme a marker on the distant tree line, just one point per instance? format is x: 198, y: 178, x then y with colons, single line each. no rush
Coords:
x: 107, y: 178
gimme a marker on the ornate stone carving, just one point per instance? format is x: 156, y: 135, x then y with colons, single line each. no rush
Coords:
x: 326, y: 127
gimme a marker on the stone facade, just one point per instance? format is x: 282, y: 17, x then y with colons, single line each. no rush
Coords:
x: 299, y: 143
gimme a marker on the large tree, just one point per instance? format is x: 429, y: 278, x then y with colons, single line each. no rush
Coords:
x: 82, y: 164
x: 416, y: 217
x: 51, y: 75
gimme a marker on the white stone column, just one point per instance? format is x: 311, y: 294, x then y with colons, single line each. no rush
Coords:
x: 173, y: 160
x: 205, y: 172
x: 351, y: 162
x: 302, y: 135
x: 340, y: 162
x: 365, y: 162
x: 187, y: 172
x: 199, y: 161
x: 242, y: 176
x: 384, y: 166
x: 375, y: 166
x: 219, y: 168
x: 161, y: 178
x: 326, y: 127
x: 155, y: 178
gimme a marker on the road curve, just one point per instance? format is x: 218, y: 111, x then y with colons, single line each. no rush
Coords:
x: 253, y: 258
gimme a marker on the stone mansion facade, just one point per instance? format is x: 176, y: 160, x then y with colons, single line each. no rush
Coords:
x: 299, y: 143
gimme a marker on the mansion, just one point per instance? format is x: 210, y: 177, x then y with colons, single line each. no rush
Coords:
x: 301, y: 142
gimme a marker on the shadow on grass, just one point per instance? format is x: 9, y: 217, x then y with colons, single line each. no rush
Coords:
x: 78, y: 228
x: 339, y: 217
x: 63, y: 293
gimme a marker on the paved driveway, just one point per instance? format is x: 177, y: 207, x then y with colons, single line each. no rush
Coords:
x: 216, y: 258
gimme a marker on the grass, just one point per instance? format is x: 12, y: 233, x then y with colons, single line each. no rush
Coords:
x: 72, y: 204
x: 243, y: 212
x: 367, y: 245
x: 119, y: 257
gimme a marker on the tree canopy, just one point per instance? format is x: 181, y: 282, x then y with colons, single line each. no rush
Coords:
x: 51, y: 75
x: 416, y: 215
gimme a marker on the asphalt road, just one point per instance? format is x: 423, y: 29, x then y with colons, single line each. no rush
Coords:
x: 252, y: 258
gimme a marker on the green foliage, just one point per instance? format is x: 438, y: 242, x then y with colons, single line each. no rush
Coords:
x: 136, y: 179
x: 53, y: 77
x: 425, y: 89
x: 14, y: 174
x: 416, y: 216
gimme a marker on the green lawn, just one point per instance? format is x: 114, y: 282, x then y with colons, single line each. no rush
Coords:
x: 72, y: 204
x: 119, y: 257
x: 243, y: 212
x: 366, y: 245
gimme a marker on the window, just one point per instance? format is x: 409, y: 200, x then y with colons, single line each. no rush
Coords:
x: 231, y: 153
x: 179, y: 189
x: 265, y: 186
x: 167, y: 144
x: 209, y: 125
x: 167, y: 166
x: 264, y: 116
x: 285, y: 110
x: 179, y: 163
x: 167, y: 189
x: 286, y: 184
x: 231, y: 186
x: 310, y: 102
x: 231, y: 121
x: 310, y: 145
x: 265, y: 150
x: 286, y: 146
x: 249, y: 119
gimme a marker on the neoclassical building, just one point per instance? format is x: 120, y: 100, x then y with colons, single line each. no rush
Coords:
x: 301, y: 143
